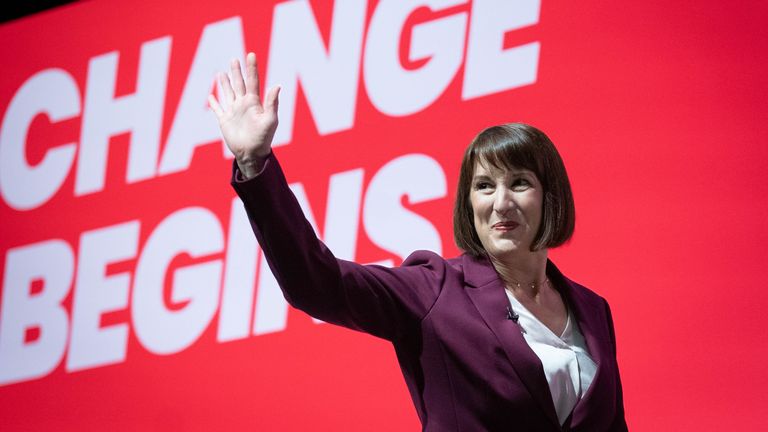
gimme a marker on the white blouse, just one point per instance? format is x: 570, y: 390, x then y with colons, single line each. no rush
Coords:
x: 567, y: 365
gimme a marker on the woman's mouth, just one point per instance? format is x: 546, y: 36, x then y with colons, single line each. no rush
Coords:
x: 505, y: 226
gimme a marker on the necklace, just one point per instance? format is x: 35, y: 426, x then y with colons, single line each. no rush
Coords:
x: 535, y: 286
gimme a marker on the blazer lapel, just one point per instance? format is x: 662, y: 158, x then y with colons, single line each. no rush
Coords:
x: 593, y: 325
x: 487, y: 292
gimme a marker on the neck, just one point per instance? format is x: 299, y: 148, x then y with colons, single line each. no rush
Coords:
x: 523, y: 273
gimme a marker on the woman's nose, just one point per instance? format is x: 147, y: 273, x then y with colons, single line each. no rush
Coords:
x: 502, y: 202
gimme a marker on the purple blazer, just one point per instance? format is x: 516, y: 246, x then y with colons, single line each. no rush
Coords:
x: 466, y: 365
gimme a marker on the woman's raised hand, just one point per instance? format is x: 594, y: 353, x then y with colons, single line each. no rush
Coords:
x: 247, y: 123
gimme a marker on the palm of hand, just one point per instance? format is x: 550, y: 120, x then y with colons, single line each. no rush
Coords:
x: 247, y: 128
x: 247, y: 125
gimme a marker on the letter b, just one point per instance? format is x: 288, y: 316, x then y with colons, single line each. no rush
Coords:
x: 52, y: 262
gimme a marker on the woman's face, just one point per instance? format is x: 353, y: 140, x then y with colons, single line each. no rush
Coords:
x: 507, y: 209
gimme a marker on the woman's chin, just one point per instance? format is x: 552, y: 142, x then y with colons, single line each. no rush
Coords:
x: 506, y: 248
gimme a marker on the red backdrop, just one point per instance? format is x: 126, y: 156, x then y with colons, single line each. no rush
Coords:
x: 112, y: 193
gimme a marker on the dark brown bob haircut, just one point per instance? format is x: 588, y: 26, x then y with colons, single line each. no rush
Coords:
x: 521, y: 146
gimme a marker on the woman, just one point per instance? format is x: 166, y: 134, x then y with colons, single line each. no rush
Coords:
x: 496, y: 339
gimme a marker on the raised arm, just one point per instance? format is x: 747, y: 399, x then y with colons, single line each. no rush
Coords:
x: 247, y: 123
x: 382, y: 301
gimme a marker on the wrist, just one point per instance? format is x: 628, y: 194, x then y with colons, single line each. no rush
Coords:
x: 250, y: 167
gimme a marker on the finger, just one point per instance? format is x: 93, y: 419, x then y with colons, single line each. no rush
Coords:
x: 237, y: 78
x: 215, y: 107
x: 272, y: 101
x: 252, y: 75
x: 229, y: 95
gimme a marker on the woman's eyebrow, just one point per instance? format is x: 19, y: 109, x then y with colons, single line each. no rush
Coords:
x: 516, y: 173
x: 520, y: 172
x: 481, y: 176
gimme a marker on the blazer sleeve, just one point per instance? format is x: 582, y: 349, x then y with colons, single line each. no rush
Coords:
x: 385, y: 302
x: 619, y: 422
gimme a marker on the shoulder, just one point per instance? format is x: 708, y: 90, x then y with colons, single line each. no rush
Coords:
x: 462, y: 270
x: 424, y: 267
x: 576, y: 290
x: 586, y: 294
x: 430, y: 259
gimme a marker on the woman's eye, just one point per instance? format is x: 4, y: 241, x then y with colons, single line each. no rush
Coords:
x: 521, y: 184
x: 482, y: 185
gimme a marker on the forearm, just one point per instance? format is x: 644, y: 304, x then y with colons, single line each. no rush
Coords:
x: 305, y: 269
x: 378, y: 300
